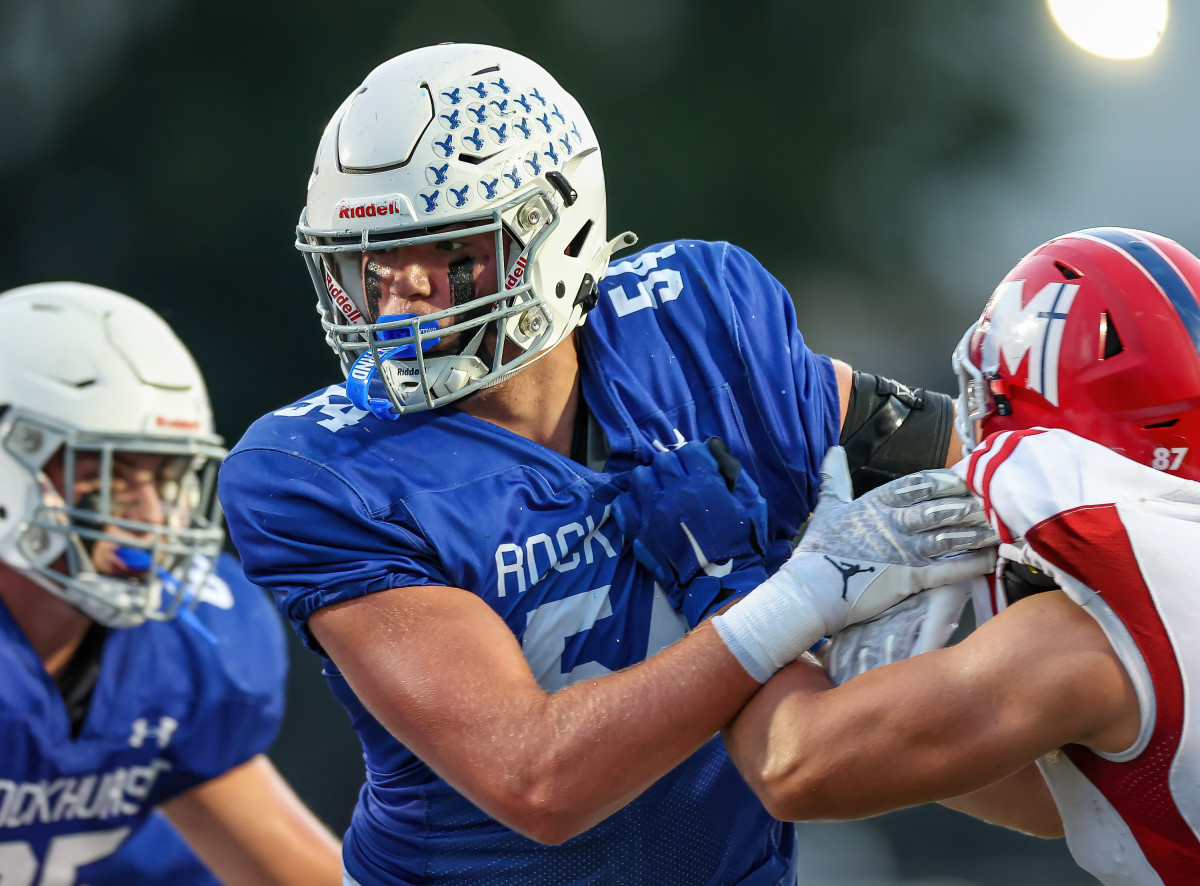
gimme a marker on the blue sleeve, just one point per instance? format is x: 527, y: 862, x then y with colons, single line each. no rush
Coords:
x: 700, y: 337
x: 801, y: 406
x: 304, y: 534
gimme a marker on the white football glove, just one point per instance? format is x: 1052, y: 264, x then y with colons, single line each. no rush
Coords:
x: 921, y: 623
x: 857, y: 558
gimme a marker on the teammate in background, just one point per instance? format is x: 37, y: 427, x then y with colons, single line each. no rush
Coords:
x: 440, y: 527
x: 1083, y: 379
x: 141, y: 670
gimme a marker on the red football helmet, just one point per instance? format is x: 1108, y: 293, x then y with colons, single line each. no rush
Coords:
x: 1096, y: 332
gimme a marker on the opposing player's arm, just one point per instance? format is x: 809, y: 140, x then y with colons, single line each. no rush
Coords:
x: 440, y: 669
x: 249, y: 828
x: 1022, y: 801
x: 940, y: 725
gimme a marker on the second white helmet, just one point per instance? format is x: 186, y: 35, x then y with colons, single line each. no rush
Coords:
x: 91, y: 377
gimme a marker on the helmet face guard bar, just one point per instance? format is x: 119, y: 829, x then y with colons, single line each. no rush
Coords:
x: 391, y: 362
x: 974, y: 396
x: 174, y: 558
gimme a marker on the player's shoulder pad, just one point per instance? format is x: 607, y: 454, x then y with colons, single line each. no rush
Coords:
x: 1028, y: 476
x: 235, y: 627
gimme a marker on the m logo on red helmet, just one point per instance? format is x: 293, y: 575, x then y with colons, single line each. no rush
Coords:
x: 1034, y: 329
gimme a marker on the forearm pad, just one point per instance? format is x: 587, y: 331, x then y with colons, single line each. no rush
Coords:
x: 891, y: 430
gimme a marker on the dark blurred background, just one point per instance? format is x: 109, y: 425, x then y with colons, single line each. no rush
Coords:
x: 887, y: 161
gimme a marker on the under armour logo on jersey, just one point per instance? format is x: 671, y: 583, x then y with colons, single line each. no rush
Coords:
x: 848, y: 571
x: 141, y: 730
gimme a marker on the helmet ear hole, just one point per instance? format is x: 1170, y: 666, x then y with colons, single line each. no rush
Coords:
x: 576, y: 245
x: 1110, y: 339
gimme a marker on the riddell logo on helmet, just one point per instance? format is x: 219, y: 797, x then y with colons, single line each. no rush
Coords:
x: 517, y: 273
x: 372, y: 207
x: 177, y: 424
x: 345, y: 305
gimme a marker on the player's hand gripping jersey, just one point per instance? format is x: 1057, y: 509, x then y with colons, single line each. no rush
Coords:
x: 176, y: 703
x: 1120, y: 539
x: 327, y: 503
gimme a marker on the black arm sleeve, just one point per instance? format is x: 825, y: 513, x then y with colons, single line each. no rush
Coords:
x: 891, y: 430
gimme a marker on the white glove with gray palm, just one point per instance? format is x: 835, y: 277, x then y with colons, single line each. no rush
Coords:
x: 920, y: 623
x: 857, y: 558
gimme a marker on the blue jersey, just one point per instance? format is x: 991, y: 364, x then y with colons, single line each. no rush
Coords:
x: 154, y: 854
x: 327, y: 503
x: 176, y: 703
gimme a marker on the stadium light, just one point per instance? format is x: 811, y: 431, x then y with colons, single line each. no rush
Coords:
x: 1119, y: 29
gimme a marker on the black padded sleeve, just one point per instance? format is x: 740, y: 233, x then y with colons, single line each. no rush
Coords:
x: 891, y: 430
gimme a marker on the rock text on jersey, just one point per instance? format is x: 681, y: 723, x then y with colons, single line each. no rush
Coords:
x: 107, y: 795
x: 521, y: 565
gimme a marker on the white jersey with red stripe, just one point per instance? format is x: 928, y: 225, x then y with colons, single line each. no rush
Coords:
x: 1118, y: 537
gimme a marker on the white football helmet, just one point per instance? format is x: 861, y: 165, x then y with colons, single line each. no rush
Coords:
x: 89, y: 377
x: 475, y: 138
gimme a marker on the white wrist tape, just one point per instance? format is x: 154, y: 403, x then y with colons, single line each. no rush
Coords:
x: 771, y: 627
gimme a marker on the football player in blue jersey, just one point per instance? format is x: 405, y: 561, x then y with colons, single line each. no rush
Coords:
x: 142, y: 672
x: 466, y: 529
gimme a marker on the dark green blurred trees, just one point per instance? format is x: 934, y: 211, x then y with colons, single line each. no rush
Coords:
x: 806, y: 132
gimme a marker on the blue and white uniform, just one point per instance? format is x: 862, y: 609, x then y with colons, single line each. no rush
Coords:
x: 176, y: 703
x: 326, y: 503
